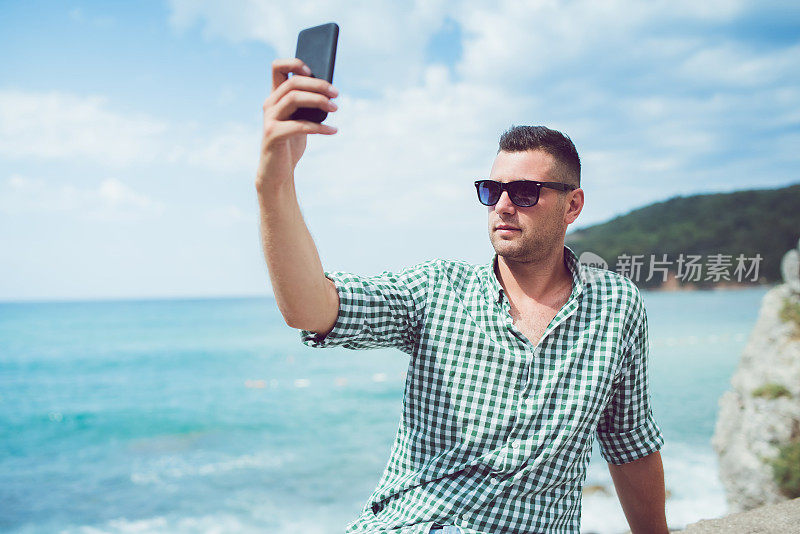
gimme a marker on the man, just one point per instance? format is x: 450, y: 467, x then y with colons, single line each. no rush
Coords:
x: 516, y: 365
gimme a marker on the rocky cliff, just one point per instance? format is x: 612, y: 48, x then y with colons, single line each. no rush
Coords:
x: 757, y: 436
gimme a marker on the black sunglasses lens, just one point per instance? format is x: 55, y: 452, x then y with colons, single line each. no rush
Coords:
x: 488, y: 192
x: 523, y: 194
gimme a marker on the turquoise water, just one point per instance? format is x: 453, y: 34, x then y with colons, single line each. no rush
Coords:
x: 210, y: 416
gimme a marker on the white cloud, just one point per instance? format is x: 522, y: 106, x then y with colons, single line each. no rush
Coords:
x: 58, y: 125
x: 229, y: 148
x: 229, y: 215
x: 109, y: 200
x: 393, y: 35
x: 102, y: 21
x: 67, y: 127
x: 734, y: 65
x: 228, y: 94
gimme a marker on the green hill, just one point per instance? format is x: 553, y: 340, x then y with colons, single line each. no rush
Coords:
x: 757, y: 221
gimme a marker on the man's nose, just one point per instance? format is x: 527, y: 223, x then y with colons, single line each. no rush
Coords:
x: 504, y: 204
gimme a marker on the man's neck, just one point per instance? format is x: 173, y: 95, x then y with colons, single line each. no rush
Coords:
x: 534, y: 281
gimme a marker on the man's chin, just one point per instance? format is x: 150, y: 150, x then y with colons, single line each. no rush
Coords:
x: 512, y: 250
x: 506, y: 249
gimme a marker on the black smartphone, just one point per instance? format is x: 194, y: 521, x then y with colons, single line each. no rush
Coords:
x: 317, y: 48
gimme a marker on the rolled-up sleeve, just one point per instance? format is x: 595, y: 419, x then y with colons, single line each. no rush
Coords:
x: 385, y: 310
x: 627, y: 429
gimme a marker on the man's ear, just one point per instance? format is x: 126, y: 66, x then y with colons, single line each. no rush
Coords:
x: 573, y: 205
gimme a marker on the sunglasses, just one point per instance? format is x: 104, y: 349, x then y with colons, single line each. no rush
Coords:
x: 523, y: 193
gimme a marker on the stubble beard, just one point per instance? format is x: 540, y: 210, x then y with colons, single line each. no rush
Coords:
x: 521, y: 248
x: 528, y: 246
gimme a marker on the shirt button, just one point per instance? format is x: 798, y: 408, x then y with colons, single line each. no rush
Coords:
x: 515, y: 444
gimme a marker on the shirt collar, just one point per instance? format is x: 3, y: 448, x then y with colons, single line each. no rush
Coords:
x: 580, y: 278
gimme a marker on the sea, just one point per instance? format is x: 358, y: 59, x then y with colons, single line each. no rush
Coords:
x: 210, y: 416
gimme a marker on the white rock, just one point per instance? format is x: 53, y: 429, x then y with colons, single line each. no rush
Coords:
x: 790, y: 269
x: 749, y: 428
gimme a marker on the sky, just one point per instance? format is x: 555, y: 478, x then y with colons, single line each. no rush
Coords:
x: 130, y: 132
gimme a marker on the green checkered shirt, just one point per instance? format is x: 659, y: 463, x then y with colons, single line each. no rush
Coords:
x: 496, y: 433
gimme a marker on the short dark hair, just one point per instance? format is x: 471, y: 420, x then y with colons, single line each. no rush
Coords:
x: 555, y: 143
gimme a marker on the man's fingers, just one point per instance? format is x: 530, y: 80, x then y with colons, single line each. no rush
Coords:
x: 301, y: 91
x: 303, y: 83
x: 282, y: 67
x: 287, y: 105
x: 283, y: 129
x: 315, y: 127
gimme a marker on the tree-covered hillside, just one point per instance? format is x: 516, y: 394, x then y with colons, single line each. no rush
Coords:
x: 742, y: 223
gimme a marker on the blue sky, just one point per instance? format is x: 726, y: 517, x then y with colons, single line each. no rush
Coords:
x: 129, y: 132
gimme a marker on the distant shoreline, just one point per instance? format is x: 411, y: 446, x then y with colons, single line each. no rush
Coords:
x: 663, y: 288
x: 723, y: 286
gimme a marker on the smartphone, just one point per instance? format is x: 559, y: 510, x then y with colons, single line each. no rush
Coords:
x: 317, y: 48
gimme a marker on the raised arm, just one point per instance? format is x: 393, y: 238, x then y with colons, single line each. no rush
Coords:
x: 305, y: 297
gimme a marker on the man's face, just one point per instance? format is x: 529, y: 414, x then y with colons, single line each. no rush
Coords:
x: 536, y: 231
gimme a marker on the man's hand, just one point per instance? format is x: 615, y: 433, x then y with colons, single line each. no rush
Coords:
x: 640, y: 487
x: 284, y: 140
